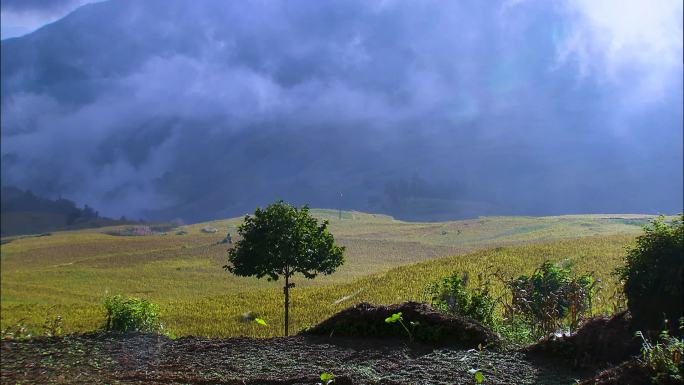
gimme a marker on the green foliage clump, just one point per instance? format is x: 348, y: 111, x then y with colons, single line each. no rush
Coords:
x: 327, y: 379
x: 515, y: 331
x: 552, y: 299
x: 452, y: 296
x: 665, y: 358
x: 652, y: 274
x: 131, y: 314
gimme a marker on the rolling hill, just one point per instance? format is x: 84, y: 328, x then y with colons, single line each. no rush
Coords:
x: 388, y: 260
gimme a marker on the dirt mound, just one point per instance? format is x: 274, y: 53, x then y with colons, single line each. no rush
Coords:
x: 600, y: 341
x: 628, y: 373
x: 426, y: 325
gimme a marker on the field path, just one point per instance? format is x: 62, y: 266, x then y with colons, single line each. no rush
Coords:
x: 153, y: 359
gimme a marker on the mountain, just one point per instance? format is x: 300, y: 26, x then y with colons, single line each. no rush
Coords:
x: 25, y: 213
x: 425, y: 111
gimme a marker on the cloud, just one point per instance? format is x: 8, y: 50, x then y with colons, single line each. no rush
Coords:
x: 20, y: 17
x: 636, y: 39
x: 36, y: 5
x: 425, y: 110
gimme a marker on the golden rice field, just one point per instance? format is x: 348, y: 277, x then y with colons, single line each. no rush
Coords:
x: 387, y: 261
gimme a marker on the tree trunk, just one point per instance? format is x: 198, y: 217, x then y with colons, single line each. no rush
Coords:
x: 287, y: 302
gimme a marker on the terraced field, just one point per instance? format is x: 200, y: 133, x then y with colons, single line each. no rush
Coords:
x: 68, y: 273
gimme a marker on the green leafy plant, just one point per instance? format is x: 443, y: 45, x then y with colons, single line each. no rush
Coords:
x: 552, y: 299
x: 280, y: 241
x: 478, y: 377
x: 327, y: 379
x: 652, y: 274
x: 515, y: 331
x: 451, y: 295
x: 131, y: 314
x: 397, y: 318
x: 664, y: 358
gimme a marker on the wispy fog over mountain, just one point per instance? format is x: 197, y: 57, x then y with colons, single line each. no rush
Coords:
x: 420, y: 109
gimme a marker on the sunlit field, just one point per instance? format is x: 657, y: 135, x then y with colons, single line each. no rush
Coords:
x: 388, y: 261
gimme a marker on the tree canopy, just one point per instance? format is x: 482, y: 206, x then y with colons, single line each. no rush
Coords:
x: 280, y: 241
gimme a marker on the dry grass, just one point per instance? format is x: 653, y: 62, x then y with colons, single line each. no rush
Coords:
x: 68, y: 273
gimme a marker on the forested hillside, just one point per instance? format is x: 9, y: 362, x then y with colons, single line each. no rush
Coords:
x: 26, y: 213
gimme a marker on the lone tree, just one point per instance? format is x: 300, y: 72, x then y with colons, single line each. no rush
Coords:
x: 282, y: 240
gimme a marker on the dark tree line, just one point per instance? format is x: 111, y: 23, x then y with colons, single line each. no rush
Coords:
x: 17, y: 200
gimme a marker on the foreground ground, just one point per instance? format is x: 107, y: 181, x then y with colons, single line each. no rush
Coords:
x: 152, y: 359
x: 388, y: 261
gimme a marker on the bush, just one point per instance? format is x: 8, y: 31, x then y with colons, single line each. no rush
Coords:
x: 515, y: 332
x: 665, y: 358
x: 451, y: 295
x: 652, y: 274
x: 131, y: 314
x: 552, y: 299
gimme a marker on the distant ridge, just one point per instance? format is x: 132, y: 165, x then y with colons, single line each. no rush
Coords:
x: 23, y: 212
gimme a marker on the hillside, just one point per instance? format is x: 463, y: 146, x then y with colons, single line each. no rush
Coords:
x: 68, y: 273
x: 25, y: 213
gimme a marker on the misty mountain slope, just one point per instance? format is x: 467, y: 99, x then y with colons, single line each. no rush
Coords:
x: 24, y: 213
x: 425, y: 111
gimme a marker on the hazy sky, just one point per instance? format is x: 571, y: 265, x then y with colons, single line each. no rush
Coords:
x: 422, y: 109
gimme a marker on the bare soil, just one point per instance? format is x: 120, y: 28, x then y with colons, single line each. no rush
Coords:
x: 138, y: 358
x: 424, y: 324
x: 630, y: 372
x: 356, y: 345
x: 601, y: 342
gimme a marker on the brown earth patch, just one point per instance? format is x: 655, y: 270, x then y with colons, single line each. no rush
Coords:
x: 630, y: 372
x: 137, y: 358
x: 429, y: 326
x: 600, y: 342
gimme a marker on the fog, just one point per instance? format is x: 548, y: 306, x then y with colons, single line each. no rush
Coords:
x: 425, y: 110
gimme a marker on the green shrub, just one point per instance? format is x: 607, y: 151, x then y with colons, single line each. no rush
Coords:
x: 652, y: 274
x: 552, y: 299
x: 664, y: 359
x: 131, y: 314
x: 451, y: 295
x: 515, y: 332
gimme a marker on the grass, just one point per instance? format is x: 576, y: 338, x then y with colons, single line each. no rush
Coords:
x: 68, y: 273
